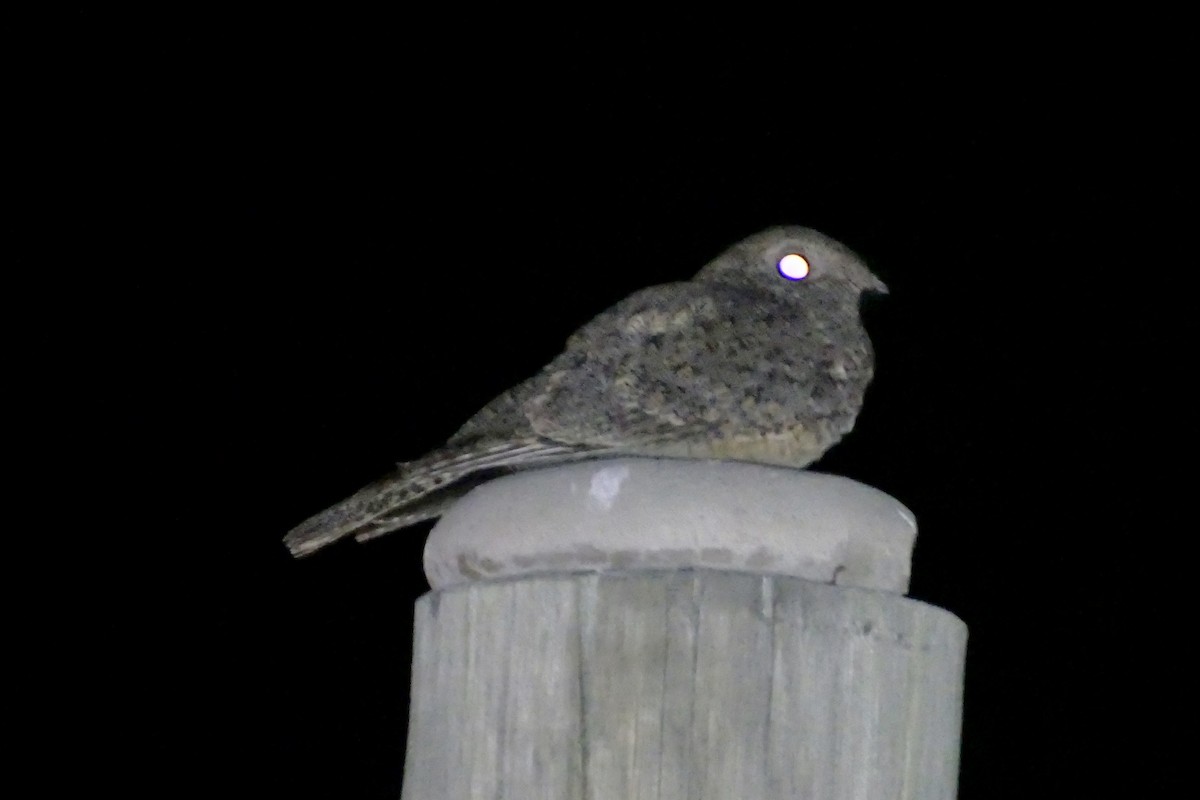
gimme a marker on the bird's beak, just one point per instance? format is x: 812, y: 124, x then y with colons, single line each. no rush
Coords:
x: 876, y: 285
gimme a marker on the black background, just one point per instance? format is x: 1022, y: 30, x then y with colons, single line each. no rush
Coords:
x: 283, y: 252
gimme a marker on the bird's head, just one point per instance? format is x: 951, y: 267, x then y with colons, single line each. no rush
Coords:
x: 778, y: 259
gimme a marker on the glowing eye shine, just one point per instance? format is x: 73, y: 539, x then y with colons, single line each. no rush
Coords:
x: 794, y: 267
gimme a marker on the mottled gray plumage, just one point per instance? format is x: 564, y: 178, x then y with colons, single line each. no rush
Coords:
x: 738, y: 363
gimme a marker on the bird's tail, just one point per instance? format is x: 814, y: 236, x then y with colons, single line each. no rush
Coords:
x: 419, y: 490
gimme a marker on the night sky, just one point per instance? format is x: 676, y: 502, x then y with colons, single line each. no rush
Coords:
x: 312, y: 247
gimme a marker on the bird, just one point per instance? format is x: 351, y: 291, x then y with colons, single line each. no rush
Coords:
x: 762, y: 356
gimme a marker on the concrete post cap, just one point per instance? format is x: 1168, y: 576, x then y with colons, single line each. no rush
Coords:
x: 641, y: 513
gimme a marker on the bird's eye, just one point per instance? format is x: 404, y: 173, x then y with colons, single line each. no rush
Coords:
x: 794, y: 267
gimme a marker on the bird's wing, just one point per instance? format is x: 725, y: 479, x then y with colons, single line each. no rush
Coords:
x: 579, y: 384
x: 500, y: 436
x: 622, y: 376
x: 501, y: 418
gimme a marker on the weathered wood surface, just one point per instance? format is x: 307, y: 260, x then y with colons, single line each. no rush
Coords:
x: 682, y: 685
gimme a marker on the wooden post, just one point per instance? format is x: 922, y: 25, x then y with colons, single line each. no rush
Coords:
x: 693, y: 680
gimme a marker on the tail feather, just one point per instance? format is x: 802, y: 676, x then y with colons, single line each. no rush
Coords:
x: 403, y: 497
x: 428, y: 507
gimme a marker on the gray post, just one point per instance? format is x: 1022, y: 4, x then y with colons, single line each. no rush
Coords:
x: 657, y: 630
